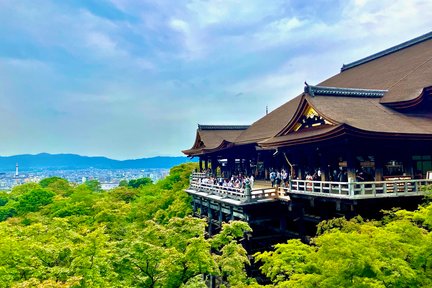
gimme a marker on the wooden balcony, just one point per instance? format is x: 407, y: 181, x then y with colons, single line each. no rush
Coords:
x: 359, y: 190
x: 234, y: 195
x: 326, y: 189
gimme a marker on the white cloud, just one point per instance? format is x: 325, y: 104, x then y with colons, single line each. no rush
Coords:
x: 208, y: 61
x: 102, y: 43
x: 190, y: 39
x: 278, y: 32
x: 206, y: 13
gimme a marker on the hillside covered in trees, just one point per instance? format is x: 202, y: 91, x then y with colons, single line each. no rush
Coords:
x: 55, y: 234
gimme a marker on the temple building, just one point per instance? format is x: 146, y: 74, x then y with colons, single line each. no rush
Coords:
x: 365, y: 134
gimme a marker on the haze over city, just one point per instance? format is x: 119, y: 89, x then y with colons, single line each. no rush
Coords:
x: 131, y: 79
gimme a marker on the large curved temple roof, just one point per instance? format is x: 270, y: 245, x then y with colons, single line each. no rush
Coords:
x: 404, y: 70
x: 387, y: 94
x: 214, y: 137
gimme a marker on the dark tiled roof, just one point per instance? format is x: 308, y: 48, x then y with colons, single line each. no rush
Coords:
x: 211, y: 137
x: 390, y: 50
x: 404, y: 73
x: 270, y: 124
x: 396, y: 77
x: 307, y: 135
x: 359, y: 98
x: 369, y: 115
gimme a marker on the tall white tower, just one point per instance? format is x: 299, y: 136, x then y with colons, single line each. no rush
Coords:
x: 16, y: 170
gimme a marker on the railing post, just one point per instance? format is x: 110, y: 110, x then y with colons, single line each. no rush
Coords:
x: 248, y: 191
x: 350, y: 187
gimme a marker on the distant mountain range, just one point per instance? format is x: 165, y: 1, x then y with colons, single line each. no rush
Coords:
x: 73, y: 161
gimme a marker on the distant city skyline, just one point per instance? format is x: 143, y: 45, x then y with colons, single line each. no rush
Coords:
x: 129, y: 79
x: 27, y: 162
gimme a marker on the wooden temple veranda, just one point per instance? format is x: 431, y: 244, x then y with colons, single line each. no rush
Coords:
x: 366, y: 132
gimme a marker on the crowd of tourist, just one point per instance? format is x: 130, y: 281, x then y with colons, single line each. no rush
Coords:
x: 235, y: 181
x: 280, y: 178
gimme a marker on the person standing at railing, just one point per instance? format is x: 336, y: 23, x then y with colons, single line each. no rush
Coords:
x: 343, y: 176
x: 272, y: 178
x: 278, y: 179
x: 284, y: 176
x: 309, y: 178
x: 230, y: 184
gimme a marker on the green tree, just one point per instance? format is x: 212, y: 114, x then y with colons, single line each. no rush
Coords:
x: 4, y: 198
x: 136, y: 183
x: 127, y: 237
x: 32, y: 200
x: 58, y: 185
x: 44, y: 183
x: 93, y: 185
x: 355, y: 253
x: 123, y: 183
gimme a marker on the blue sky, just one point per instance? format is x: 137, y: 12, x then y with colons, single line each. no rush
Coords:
x: 132, y: 78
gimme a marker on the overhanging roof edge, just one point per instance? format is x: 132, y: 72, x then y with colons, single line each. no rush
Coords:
x: 422, y: 38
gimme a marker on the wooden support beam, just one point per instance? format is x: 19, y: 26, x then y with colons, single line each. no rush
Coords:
x: 220, y: 215
x: 210, y: 218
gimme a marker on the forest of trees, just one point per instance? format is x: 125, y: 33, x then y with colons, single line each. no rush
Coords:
x: 55, y: 234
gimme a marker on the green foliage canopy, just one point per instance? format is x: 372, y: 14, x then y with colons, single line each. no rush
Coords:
x: 54, y: 234
x: 393, y: 252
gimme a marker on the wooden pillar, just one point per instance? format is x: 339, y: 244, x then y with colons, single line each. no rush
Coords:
x: 200, y: 164
x: 206, y: 164
x: 194, y: 207
x: 408, y: 164
x: 212, y: 281
x: 351, y: 166
x: 241, y: 165
x: 302, y: 163
x: 247, y: 166
x: 210, y: 217
x: 282, y: 220
x: 230, y: 166
x: 301, y: 222
x: 379, y: 167
x: 214, y: 165
x: 220, y: 218
x: 300, y: 173
x: 324, y: 167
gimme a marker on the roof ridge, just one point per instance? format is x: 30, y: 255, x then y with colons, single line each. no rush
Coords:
x: 387, y: 51
x: 342, y: 91
x: 222, y: 127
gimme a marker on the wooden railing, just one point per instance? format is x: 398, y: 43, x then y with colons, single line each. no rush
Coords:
x: 347, y: 190
x: 359, y: 190
x: 199, y: 175
x: 234, y: 193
